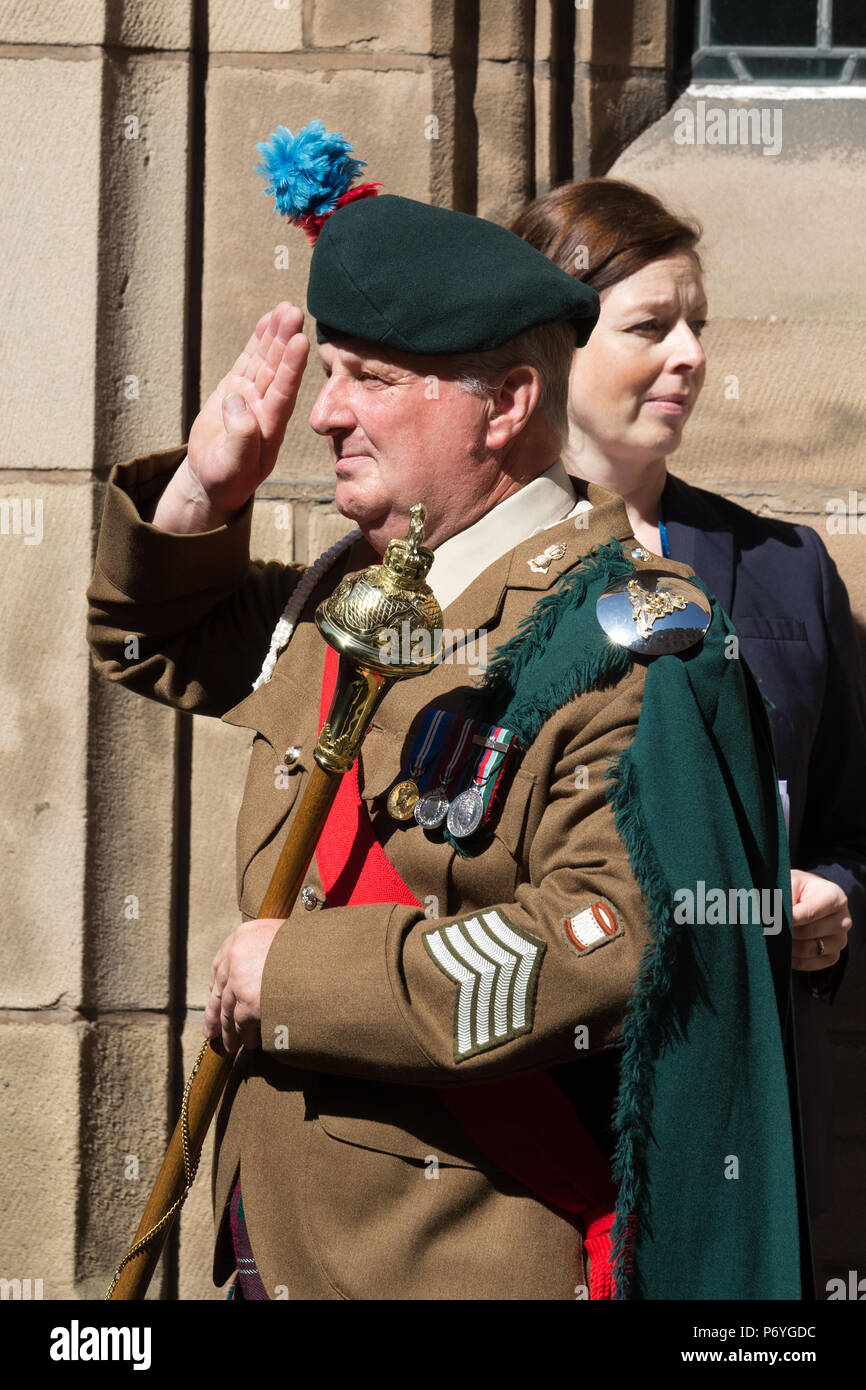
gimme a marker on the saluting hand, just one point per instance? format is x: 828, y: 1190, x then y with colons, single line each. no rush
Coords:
x: 820, y: 914
x: 236, y: 436
x: 234, y: 1005
x: 235, y: 439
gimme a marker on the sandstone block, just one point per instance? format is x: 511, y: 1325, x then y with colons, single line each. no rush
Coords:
x: 45, y: 558
x: 504, y: 29
x: 781, y: 402
x: 369, y: 26
x: 39, y: 1138
x: 64, y: 22
x: 325, y: 529
x: 136, y: 23
x: 125, y: 1098
x: 255, y: 26
x: 50, y: 115
x: 623, y: 33
x: 502, y: 108
x: 130, y: 911
x: 142, y: 271
x: 165, y: 24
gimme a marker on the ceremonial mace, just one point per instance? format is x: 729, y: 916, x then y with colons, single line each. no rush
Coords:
x: 360, y: 620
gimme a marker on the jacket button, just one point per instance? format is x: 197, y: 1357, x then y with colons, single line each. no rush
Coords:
x: 309, y: 897
x: 291, y: 755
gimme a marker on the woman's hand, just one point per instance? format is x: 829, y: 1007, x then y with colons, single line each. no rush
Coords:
x: 820, y: 914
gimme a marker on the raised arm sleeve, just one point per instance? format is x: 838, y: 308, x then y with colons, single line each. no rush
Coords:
x: 183, y: 619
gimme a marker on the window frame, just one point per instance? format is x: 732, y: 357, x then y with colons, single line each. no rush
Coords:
x: 736, y: 53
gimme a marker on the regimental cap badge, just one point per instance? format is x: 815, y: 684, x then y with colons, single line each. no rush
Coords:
x: 651, y: 612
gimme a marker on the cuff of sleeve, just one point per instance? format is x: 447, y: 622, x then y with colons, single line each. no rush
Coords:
x: 143, y: 562
x: 326, y: 998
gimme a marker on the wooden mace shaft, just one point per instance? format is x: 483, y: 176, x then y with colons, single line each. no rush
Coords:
x: 213, y: 1072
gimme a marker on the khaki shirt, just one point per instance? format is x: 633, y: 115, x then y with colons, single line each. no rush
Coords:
x: 335, y: 1133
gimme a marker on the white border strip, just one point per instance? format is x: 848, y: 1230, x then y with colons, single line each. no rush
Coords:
x: 747, y: 91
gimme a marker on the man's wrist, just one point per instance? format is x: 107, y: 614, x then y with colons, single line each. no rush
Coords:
x: 184, y: 507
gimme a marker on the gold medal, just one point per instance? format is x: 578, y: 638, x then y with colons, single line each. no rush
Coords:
x: 402, y: 799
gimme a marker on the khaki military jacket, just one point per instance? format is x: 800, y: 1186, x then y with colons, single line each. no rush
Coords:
x: 357, y: 1181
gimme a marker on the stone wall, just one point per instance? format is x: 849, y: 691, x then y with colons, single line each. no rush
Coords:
x: 139, y: 253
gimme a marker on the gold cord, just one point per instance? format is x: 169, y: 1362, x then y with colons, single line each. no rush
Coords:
x: 189, y: 1168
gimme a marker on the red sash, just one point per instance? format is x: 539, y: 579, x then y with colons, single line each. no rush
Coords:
x: 526, y: 1124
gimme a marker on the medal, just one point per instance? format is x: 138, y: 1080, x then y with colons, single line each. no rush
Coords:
x: 465, y: 812
x: 471, y: 807
x: 431, y: 809
x: 402, y: 799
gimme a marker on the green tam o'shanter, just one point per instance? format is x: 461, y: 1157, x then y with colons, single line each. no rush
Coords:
x: 427, y: 280
x: 415, y: 278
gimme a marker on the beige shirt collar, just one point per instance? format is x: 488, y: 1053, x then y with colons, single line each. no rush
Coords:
x: 548, y: 499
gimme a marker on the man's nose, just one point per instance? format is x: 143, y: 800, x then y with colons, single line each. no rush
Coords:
x: 331, y: 411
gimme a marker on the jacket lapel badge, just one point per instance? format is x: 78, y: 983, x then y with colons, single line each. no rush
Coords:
x: 540, y: 564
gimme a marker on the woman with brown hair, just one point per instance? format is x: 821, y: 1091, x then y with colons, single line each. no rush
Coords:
x: 632, y: 389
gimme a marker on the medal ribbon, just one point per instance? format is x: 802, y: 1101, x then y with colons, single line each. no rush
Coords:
x: 487, y: 774
x: 431, y: 735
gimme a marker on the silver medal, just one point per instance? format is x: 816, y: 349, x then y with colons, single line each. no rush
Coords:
x: 465, y: 813
x: 431, y: 809
x: 652, y: 612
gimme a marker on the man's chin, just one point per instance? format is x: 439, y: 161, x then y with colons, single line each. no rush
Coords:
x: 375, y: 522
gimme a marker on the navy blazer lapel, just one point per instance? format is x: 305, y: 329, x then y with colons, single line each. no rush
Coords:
x: 697, y: 537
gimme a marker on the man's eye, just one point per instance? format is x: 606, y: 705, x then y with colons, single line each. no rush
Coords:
x: 368, y: 376
x: 647, y: 326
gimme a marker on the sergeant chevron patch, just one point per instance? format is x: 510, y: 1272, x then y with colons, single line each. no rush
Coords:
x: 495, y: 965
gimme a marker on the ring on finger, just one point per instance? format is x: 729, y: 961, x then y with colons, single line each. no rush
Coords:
x: 819, y: 947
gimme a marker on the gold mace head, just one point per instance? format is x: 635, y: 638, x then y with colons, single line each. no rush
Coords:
x: 386, y: 625
x: 386, y: 618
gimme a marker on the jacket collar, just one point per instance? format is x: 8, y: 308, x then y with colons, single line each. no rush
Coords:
x: 543, y: 502
x: 697, y: 538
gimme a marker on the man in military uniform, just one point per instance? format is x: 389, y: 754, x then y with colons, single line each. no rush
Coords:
x: 430, y: 1091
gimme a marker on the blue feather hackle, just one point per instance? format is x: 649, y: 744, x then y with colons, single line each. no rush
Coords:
x: 309, y: 172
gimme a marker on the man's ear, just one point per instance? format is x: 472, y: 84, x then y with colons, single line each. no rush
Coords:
x: 512, y: 404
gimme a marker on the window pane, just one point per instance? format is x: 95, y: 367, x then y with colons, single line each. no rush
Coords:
x: 849, y: 23
x: 788, y: 22
x: 713, y: 70
x: 814, y: 70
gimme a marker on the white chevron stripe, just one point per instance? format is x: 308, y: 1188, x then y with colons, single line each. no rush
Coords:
x: 486, y: 971
x: 466, y: 979
x: 528, y: 954
x: 505, y: 974
x: 491, y: 964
